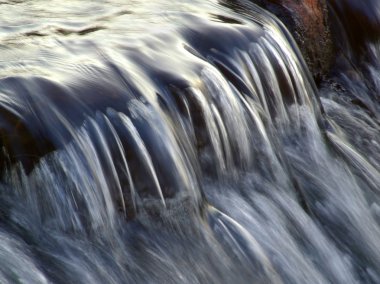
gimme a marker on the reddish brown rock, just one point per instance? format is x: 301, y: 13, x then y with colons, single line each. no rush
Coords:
x: 308, y: 22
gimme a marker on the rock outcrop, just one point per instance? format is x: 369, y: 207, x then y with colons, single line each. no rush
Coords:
x: 308, y: 21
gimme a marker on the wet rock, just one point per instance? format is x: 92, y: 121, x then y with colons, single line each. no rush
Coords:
x: 308, y: 22
x: 354, y: 23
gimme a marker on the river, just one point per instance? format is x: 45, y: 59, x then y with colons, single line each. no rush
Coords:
x: 181, y: 142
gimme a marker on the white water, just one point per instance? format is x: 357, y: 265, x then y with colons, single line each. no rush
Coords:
x: 197, y: 153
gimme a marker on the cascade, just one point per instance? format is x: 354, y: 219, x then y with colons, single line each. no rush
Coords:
x: 182, y: 142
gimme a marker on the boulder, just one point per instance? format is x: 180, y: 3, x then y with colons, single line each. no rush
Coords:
x: 308, y: 22
x: 355, y: 23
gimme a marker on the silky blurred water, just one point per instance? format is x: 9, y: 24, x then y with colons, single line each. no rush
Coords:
x: 181, y: 142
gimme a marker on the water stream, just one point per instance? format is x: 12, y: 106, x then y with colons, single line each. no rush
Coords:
x: 181, y: 142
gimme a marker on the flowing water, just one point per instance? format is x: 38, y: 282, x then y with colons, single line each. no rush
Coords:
x: 182, y: 142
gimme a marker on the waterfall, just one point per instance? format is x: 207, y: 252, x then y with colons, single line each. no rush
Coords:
x: 181, y: 143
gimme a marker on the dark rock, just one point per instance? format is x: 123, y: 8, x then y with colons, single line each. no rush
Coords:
x: 354, y: 24
x: 308, y: 22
